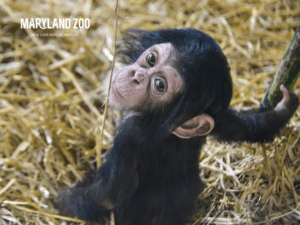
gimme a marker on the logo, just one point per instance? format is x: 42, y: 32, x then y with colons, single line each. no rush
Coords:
x: 55, y: 23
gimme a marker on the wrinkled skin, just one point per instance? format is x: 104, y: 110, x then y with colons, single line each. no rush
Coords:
x: 149, y: 82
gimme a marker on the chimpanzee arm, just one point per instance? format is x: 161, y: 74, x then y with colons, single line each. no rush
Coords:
x: 257, y: 125
x: 112, y: 185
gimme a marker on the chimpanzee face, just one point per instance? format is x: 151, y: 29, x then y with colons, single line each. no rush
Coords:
x: 150, y: 81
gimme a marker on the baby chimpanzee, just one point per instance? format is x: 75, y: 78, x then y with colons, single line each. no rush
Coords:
x: 176, y: 87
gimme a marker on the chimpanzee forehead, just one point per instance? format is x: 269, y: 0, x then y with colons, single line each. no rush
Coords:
x: 166, y: 48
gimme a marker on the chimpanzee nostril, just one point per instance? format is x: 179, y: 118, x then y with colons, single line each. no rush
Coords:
x: 138, y: 78
x: 132, y: 73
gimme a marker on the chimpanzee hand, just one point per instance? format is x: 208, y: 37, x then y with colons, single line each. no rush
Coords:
x: 67, y: 202
x: 63, y: 201
x: 289, y: 102
x: 74, y: 203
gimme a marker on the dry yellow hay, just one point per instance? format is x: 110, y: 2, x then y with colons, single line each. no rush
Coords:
x: 51, y: 111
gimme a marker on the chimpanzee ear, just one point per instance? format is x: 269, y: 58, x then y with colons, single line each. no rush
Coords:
x: 198, y: 126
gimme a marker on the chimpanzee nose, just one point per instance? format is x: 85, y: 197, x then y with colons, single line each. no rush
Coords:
x: 137, y: 76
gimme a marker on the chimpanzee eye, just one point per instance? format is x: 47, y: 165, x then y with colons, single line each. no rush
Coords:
x: 151, y: 59
x: 160, y: 84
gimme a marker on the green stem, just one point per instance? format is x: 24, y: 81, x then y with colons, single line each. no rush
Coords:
x: 287, y: 73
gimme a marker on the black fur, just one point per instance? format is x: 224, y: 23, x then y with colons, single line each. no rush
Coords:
x: 151, y: 176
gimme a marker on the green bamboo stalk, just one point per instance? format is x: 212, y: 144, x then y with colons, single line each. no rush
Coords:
x: 287, y: 73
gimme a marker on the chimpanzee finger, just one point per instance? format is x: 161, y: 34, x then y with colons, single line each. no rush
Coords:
x: 285, y: 99
x: 268, y: 81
